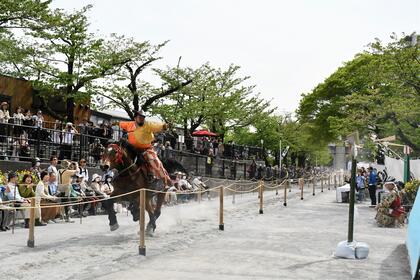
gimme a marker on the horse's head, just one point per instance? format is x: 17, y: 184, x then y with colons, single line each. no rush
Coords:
x: 114, y: 156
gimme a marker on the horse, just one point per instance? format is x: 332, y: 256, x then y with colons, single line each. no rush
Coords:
x: 132, y: 176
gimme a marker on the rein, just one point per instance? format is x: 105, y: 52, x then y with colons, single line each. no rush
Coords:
x: 119, y: 160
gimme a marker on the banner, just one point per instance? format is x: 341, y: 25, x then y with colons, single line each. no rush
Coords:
x: 395, y: 168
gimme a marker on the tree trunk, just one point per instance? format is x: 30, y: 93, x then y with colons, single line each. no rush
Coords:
x: 70, y: 109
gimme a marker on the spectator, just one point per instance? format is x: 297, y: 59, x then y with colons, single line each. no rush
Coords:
x: 96, y: 149
x: 96, y: 186
x: 372, y: 185
x: 260, y: 172
x: 53, y: 167
x: 67, y: 141
x: 13, y: 194
x: 360, y: 185
x: 18, y: 118
x: 6, y: 213
x: 38, y: 119
x: 209, y: 163
x: 252, y: 169
x: 4, y: 112
x: 198, y: 185
x: 107, y: 179
x: 76, y: 192
x: 26, y: 187
x: 27, y: 120
x: 52, y: 185
x: 41, y: 193
x: 390, y: 210
x: 36, y: 168
x: 20, y: 149
x: 167, y: 150
x: 221, y: 148
x: 66, y: 173
x: 56, y: 134
x: 83, y: 172
x: 4, y: 118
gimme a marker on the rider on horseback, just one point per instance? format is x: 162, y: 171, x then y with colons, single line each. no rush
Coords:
x: 140, y: 137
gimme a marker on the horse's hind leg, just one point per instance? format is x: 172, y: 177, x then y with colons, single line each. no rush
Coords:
x: 109, y: 207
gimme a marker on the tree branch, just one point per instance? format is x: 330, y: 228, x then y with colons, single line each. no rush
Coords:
x: 152, y: 99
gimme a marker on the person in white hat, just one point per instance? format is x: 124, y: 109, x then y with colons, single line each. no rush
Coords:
x: 4, y: 112
x: 96, y: 185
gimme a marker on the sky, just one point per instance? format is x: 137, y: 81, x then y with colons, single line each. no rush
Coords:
x: 286, y: 47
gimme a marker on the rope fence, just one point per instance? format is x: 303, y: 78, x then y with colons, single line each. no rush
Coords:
x: 232, y: 187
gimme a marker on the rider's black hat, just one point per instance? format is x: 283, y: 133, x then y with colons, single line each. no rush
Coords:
x: 139, y: 113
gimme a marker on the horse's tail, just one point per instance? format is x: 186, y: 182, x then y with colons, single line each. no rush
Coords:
x: 172, y: 165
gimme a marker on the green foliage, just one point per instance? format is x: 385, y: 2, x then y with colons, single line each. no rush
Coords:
x: 217, y: 99
x: 377, y: 92
x: 22, y: 13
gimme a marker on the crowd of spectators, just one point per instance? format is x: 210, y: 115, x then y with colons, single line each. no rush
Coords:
x: 24, y: 135
x: 67, y: 183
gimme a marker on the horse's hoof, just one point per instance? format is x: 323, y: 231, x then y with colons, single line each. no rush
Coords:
x: 149, y: 232
x: 114, y: 227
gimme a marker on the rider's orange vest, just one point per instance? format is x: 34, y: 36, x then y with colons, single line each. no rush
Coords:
x: 141, y: 137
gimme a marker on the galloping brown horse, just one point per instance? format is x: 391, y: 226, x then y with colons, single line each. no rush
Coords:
x: 131, y: 177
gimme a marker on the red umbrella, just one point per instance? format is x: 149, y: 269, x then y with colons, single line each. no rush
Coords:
x: 204, y: 132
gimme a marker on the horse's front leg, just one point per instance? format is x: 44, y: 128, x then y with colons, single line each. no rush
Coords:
x: 112, y: 217
x: 159, y: 202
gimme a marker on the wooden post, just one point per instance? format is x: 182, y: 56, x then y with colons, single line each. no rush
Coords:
x: 335, y: 181
x: 233, y: 196
x: 289, y: 184
x: 261, y: 197
x: 301, y: 185
x: 199, y: 195
x: 31, y: 239
x: 277, y: 188
x: 285, y: 192
x: 322, y: 184
x: 142, y: 247
x: 329, y: 181
x: 313, y: 185
x: 221, y: 224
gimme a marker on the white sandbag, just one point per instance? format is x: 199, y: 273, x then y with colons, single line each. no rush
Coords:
x: 345, y: 250
x: 362, y: 250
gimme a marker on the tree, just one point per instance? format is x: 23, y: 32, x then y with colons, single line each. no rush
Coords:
x: 216, y: 99
x: 126, y: 90
x: 64, y: 59
x: 376, y: 92
x: 22, y: 13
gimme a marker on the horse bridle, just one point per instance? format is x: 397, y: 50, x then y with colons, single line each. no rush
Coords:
x: 119, y: 160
